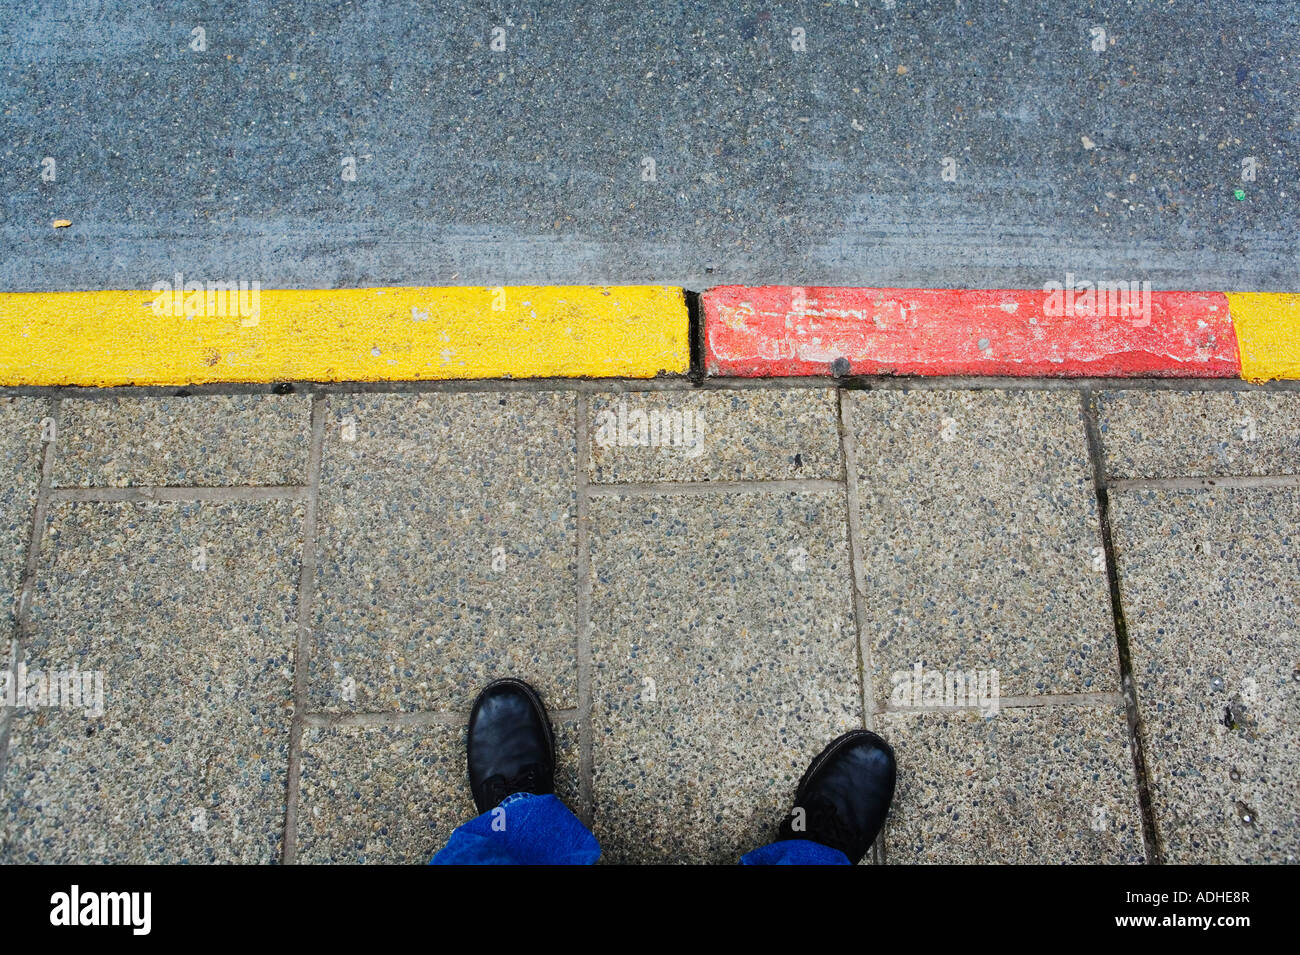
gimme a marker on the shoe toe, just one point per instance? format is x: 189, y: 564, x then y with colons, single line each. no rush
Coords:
x: 508, y: 732
x: 855, y: 774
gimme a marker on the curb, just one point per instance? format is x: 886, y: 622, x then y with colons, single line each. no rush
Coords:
x: 1268, y: 334
x: 772, y: 331
x: 221, y: 334
x: 206, y: 334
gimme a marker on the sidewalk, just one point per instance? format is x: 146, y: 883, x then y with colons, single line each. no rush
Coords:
x: 292, y: 600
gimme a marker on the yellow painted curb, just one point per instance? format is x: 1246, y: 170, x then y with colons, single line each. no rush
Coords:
x: 1268, y: 333
x: 214, y: 333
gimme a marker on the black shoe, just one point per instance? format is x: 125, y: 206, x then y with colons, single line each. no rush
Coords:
x: 845, y: 795
x: 511, y: 744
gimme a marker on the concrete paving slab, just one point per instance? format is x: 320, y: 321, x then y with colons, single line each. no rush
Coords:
x: 21, y: 451
x: 1210, y: 581
x: 981, y: 545
x: 197, y: 441
x: 980, y: 550
x: 447, y: 550
x: 757, y: 435
x: 724, y: 658
x: 1161, y: 434
x: 191, y: 654
x: 1041, y: 785
x: 393, y: 794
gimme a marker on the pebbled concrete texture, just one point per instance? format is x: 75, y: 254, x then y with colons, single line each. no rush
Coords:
x: 821, y: 166
x: 1017, y: 584
x: 393, y: 794
x: 216, y: 441
x: 714, y: 436
x: 974, y: 540
x: 1042, y: 786
x: 186, y: 760
x: 21, y: 452
x: 447, y: 550
x: 1211, y: 434
x: 720, y: 669
x: 1212, y: 595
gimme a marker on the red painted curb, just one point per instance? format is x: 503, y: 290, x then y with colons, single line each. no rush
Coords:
x: 773, y: 331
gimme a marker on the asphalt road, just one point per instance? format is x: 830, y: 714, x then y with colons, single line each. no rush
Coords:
x: 771, y: 165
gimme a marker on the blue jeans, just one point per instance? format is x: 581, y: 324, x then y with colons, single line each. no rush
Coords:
x: 540, y: 830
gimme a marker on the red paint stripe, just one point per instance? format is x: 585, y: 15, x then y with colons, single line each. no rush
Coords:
x: 782, y: 330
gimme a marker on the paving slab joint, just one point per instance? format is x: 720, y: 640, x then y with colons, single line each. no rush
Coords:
x: 1096, y: 453
x: 582, y: 567
x: 302, y: 645
x: 31, y: 567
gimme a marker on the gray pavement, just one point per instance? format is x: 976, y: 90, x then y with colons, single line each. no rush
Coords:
x: 1073, y: 613
x: 855, y: 142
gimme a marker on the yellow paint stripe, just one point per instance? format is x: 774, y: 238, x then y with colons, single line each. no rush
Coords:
x: 372, y: 334
x: 1268, y: 333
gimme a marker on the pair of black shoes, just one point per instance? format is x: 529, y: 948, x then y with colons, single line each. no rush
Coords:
x: 841, y: 801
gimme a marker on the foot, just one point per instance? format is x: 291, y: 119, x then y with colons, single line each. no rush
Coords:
x: 844, y: 796
x: 511, y: 744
